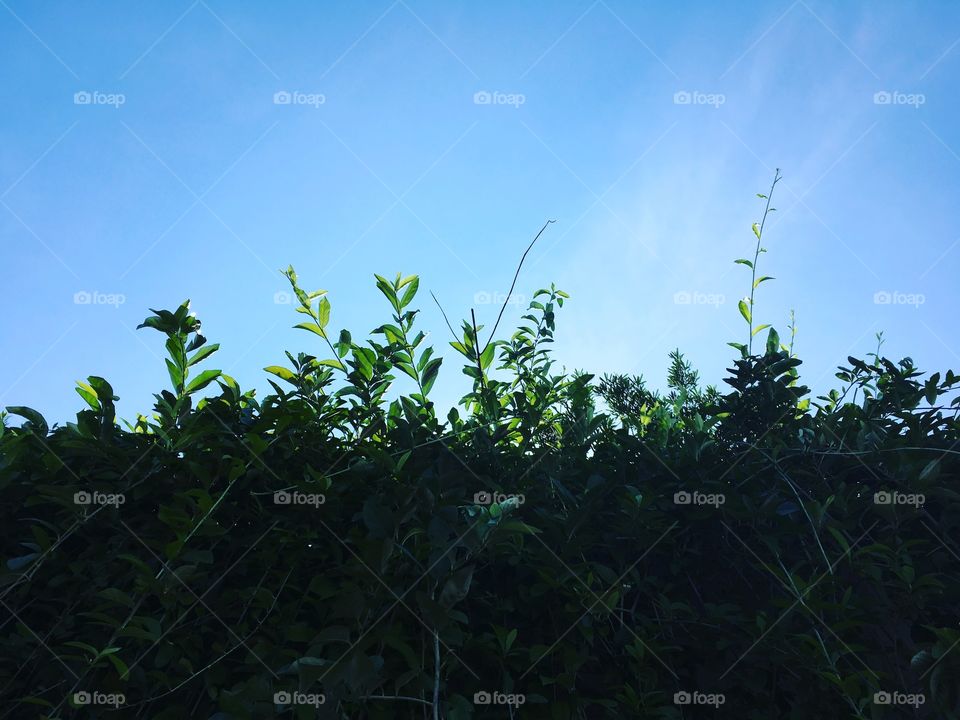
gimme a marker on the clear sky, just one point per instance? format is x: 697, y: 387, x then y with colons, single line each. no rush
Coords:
x: 146, y: 157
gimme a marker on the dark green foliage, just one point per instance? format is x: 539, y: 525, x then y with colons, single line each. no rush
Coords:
x: 219, y: 557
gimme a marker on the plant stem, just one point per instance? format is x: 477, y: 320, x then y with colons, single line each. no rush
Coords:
x: 756, y: 256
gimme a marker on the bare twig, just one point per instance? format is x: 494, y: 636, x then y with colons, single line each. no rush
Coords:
x: 444, y: 316
x: 514, y: 283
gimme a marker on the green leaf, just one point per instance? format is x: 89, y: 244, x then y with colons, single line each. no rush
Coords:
x: 413, y: 283
x: 758, y: 328
x: 323, y: 311
x: 88, y: 394
x: 741, y: 261
x: 281, y: 372
x: 202, y: 380
x: 744, y: 310
x: 761, y: 279
x: 756, y: 230
x: 429, y: 375
x: 773, y: 341
x: 486, y: 357
x: 202, y: 353
x: 122, y: 670
x: 312, y: 327
x: 332, y: 363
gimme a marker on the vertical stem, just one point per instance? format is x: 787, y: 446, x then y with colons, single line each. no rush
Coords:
x: 476, y: 348
x: 756, y: 255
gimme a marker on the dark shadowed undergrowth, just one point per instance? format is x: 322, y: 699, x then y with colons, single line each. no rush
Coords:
x: 560, y: 546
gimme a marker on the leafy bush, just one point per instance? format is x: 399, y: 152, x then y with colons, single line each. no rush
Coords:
x: 575, y: 549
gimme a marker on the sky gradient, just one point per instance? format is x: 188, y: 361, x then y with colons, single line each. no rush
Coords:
x: 194, y: 149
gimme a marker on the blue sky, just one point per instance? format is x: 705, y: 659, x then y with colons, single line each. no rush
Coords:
x: 144, y: 160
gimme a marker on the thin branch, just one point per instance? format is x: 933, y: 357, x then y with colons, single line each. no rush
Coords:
x: 514, y: 283
x: 455, y: 338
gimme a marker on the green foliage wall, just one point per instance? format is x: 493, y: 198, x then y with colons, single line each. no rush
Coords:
x: 568, y: 547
